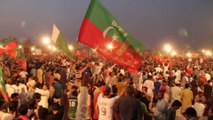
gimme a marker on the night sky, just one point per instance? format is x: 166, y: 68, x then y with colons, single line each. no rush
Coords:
x: 183, y: 23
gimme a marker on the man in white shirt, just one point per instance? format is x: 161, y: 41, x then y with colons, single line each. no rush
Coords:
x: 199, y: 107
x: 176, y: 92
x: 158, y: 69
x: 105, y: 104
x: 97, y: 69
x: 12, y: 111
x: 208, y: 76
x: 45, y: 94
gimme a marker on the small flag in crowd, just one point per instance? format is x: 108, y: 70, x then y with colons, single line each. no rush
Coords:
x: 60, y: 42
x: 2, y: 86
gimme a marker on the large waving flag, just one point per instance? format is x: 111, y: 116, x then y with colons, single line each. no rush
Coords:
x: 101, y: 31
x: 60, y: 42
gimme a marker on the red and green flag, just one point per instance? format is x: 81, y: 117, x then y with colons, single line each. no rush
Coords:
x: 6, y: 47
x: 101, y: 31
x: 21, y: 60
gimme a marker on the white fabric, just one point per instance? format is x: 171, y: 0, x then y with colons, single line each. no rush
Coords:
x: 176, y: 93
x: 8, y: 116
x: 31, y: 83
x: 9, y: 89
x: 88, y: 116
x: 45, y: 94
x: 23, y: 74
x: 158, y: 69
x: 199, y: 107
x: 105, y: 106
x: 22, y: 88
x: 97, y: 69
x: 208, y: 77
x: 149, y: 84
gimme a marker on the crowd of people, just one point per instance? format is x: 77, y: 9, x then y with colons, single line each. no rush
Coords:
x: 92, y: 88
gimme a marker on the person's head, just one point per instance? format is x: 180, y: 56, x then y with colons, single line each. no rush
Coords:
x: 190, y: 112
x: 144, y: 89
x: 160, y: 95
x: 74, y: 88
x: 186, y: 86
x: 165, y: 82
x: 55, y: 107
x: 138, y: 95
x: 1, y: 104
x: 106, y: 90
x: 130, y: 90
x: 114, y: 89
x: 56, y: 79
x: 32, y: 104
x: 44, y: 87
x: 14, y: 96
x: 200, y: 93
x: 42, y: 113
x: 75, y: 93
x: 13, y: 105
x: 37, y: 97
x: 23, y: 109
x: 176, y: 104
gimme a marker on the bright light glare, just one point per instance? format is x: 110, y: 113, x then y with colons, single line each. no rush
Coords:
x: 174, y: 53
x: 208, y: 53
x: 203, y: 51
x: 109, y: 46
x: 46, y: 40
x: 70, y: 47
x: 168, y: 48
x: 32, y: 48
x: 188, y: 54
x: 20, y: 46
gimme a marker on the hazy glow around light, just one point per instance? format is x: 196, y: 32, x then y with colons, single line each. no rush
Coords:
x: 54, y: 49
x: 174, y: 53
x: 49, y: 46
x: 20, y: 46
x: 32, y: 48
x: 203, y: 51
x: 70, y: 47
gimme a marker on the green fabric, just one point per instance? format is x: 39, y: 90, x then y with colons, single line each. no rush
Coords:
x: 144, y: 110
x: 57, y: 86
x: 104, y: 20
x: 62, y: 45
x: 19, y: 54
x: 160, y: 54
x: 6, y: 42
x: 72, y: 107
x: 2, y: 82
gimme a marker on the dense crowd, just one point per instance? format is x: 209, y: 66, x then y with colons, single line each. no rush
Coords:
x: 92, y: 88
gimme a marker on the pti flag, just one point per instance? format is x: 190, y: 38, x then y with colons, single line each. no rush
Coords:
x: 21, y: 60
x: 101, y: 31
x: 7, y: 47
x: 60, y: 42
x: 2, y: 85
